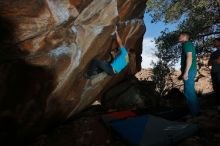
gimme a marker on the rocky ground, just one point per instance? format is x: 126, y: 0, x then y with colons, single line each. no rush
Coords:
x: 208, y: 121
x: 87, y: 129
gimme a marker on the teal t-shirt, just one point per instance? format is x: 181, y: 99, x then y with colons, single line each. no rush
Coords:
x: 188, y: 47
x: 121, y: 61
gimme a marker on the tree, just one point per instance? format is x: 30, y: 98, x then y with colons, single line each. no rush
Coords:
x: 161, y: 76
x: 199, y: 17
x: 172, y: 10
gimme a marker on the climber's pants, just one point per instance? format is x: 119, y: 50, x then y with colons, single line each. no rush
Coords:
x: 98, y: 66
x: 190, y: 93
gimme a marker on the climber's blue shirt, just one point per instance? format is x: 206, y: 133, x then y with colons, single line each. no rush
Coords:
x: 121, y: 61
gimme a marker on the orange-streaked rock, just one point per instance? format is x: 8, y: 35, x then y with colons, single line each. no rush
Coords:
x: 46, y: 47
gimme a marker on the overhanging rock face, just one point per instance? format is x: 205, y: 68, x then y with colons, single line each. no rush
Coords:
x: 46, y: 46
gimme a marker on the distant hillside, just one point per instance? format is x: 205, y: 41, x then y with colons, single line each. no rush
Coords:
x: 203, y: 79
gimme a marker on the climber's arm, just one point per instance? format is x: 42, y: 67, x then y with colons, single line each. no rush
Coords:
x: 119, y: 41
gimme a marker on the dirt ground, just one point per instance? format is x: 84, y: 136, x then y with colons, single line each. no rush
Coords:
x: 88, y: 130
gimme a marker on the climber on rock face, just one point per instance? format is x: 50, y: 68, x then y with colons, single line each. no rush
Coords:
x: 119, y: 61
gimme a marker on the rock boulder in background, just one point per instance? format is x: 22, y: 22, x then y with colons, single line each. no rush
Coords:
x: 45, y: 48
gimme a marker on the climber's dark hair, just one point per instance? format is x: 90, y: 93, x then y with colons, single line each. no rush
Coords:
x: 116, y: 49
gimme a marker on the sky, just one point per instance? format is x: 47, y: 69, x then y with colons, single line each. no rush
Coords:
x: 152, y: 31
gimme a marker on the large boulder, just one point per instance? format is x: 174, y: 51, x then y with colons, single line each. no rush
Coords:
x: 45, y: 48
x: 130, y: 94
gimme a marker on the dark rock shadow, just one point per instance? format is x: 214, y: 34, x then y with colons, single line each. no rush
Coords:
x: 23, y: 90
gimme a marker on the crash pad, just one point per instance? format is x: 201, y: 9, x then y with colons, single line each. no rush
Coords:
x: 148, y: 130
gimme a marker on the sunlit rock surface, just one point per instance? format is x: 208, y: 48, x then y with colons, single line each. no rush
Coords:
x: 45, y: 48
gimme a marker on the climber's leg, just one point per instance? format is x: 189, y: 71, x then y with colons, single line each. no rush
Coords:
x: 92, y: 69
x: 105, y: 67
x: 98, y: 66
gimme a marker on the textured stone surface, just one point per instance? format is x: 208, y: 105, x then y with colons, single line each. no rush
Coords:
x: 45, y: 48
x: 130, y: 94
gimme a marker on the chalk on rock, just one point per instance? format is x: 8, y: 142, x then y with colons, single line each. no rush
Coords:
x: 97, y: 78
x: 113, y: 35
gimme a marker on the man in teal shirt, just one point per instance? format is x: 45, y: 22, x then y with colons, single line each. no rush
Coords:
x: 120, y: 61
x: 189, y: 70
